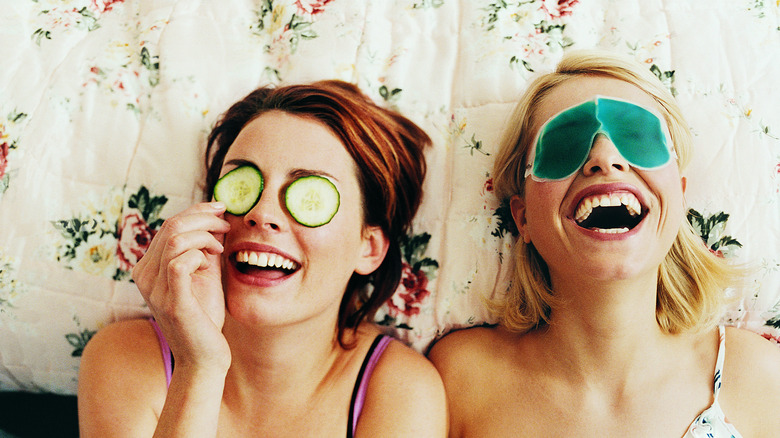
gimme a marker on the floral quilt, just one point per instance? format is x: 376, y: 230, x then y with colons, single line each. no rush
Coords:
x: 105, y: 106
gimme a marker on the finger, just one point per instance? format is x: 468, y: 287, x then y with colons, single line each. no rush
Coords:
x: 212, y: 208
x: 179, y: 276
x: 191, y: 221
x: 199, y: 217
x: 165, y: 250
x: 174, y: 237
x: 192, y: 228
x: 198, y: 239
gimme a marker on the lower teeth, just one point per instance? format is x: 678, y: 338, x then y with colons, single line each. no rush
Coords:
x: 611, y: 230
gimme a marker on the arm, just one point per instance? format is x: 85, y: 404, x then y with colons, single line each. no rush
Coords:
x: 193, y: 403
x: 180, y: 279
x: 405, y: 397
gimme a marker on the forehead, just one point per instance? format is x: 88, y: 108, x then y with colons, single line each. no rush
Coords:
x: 277, y: 138
x: 583, y: 88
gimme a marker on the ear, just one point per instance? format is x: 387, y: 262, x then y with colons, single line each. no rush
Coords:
x: 517, y: 207
x: 375, y: 244
x: 684, y: 182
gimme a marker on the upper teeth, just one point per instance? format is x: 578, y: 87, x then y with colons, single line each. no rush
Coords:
x: 265, y: 260
x: 613, y: 200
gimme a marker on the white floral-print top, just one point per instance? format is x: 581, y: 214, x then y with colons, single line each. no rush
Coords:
x: 712, y: 422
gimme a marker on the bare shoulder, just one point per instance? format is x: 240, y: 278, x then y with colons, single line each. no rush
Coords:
x: 460, y: 351
x: 121, y: 378
x: 407, y: 369
x: 405, y: 396
x: 124, y: 347
x: 752, y: 355
x: 751, y: 383
x: 471, y: 365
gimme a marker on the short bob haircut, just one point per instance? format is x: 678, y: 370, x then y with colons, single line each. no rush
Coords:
x: 691, y: 280
x: 388, y: 150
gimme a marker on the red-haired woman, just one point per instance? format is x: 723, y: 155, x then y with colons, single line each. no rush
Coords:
x: 259, y: 301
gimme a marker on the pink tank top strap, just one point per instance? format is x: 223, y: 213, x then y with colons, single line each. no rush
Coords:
x: 361, y: 385
x: 166, y: 352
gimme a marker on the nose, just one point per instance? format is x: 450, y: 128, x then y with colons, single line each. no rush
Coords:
x: 604, y: 158
x: 267, y: 213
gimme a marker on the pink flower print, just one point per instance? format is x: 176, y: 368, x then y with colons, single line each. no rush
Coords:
x: 413, y: 292
x: 4, y: 149
x: 135, y: 236
x: 311, y: 7
x: 104, y: 5
x: 558, y: 8
x: 488, y: 187
x: 771, y: 338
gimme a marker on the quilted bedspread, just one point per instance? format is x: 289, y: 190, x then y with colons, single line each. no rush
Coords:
x: 105, y: 106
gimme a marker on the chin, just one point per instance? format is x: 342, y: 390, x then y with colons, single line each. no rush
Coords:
x: 252, y: 309
x: 617, y: 267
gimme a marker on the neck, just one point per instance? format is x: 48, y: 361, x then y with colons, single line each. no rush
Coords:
x: 604, y: 330
x: 275, y: 361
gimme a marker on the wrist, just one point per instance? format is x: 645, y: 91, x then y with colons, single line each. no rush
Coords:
x: 213, y: 367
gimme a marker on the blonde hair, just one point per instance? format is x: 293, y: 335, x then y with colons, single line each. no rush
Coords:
x: 691, y: 280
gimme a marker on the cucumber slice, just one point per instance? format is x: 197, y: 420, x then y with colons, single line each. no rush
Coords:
x: 312, y: 200
x: 239, y: 189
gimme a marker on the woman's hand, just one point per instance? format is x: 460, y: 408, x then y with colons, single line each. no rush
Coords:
x: 180, y: 279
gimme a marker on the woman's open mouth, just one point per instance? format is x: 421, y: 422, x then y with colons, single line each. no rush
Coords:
x: 264, y: 264
x: 613, y: 213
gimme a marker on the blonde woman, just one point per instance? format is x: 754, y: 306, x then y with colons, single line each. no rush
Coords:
x: 610, y: 326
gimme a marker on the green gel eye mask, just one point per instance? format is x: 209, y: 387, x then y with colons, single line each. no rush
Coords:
x: 311, y: 200
x: 563, y: 143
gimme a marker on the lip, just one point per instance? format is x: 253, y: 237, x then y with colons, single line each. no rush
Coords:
x: 607, y: 236
x: 603, y: 189
x: 254, y: 280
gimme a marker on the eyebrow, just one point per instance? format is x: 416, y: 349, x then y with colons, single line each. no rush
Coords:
x: 293, y: 174
x: 298, y: 173
x: 239, y: 162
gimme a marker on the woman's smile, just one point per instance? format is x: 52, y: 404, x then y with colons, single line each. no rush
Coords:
x: 261, y: 265
x: 612, y: 211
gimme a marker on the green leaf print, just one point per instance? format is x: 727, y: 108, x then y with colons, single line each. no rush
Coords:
x: 505, y: 221
x: 389, y: 95
x: 710, y: 229
x: 667, y: 77
x: 149, y: 206
x: 79, y: 339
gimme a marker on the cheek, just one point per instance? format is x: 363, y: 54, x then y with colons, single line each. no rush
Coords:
x: 668, y: 187
x: 677, y: 206
x: 545, y: 199
x: 342, y: 233
x: 671, y: 186
x: 544, y: 212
